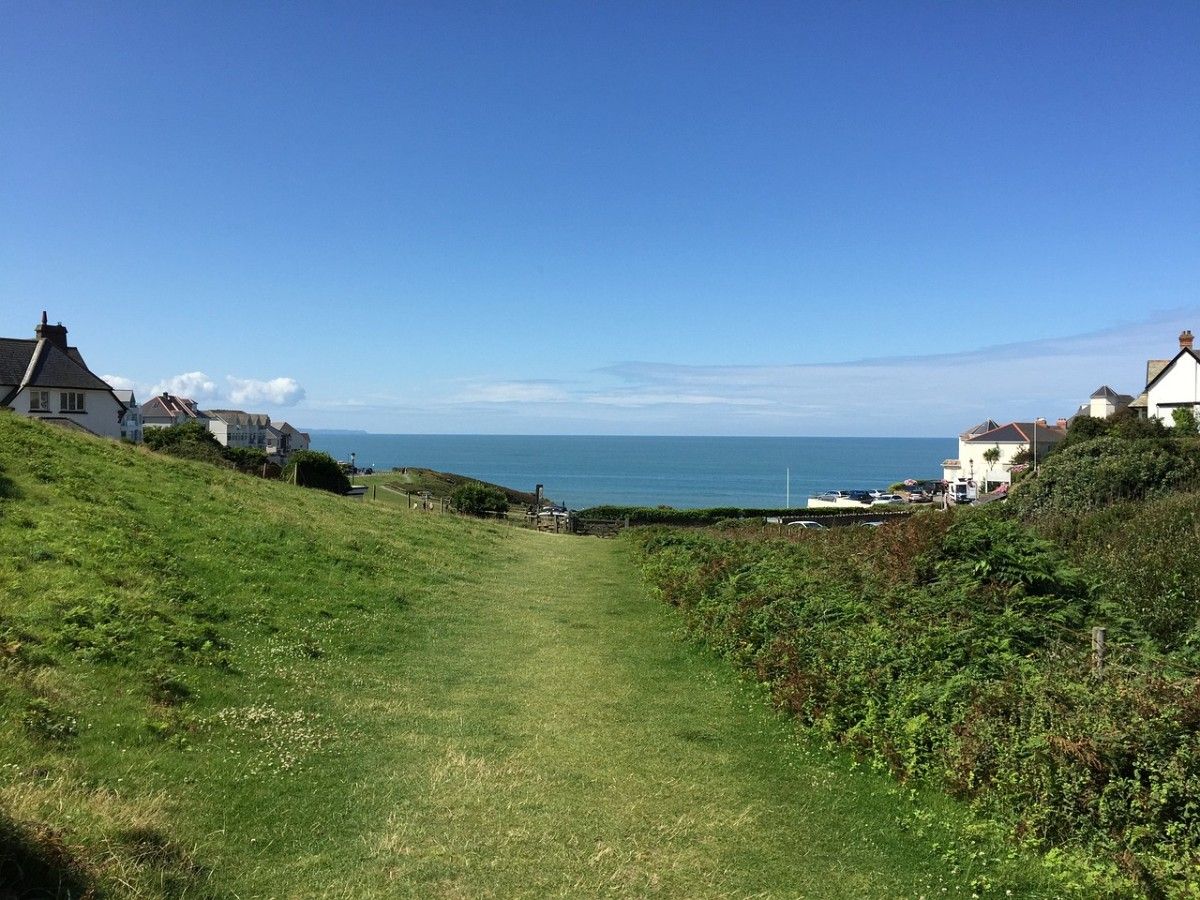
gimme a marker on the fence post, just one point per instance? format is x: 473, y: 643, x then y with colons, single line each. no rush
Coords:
x: 1098, y: 635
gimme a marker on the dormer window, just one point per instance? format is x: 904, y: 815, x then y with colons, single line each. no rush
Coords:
x: 39, y: 401
x: 70, y: 401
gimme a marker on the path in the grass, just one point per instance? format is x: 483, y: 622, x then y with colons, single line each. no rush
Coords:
x: 574, y: 745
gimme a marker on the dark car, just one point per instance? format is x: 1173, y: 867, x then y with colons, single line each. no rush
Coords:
x: 860, y: 496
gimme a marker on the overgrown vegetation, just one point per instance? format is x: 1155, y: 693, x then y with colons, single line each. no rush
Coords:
x: 477, y: 499
x: 313, y: 469
x: 191, y: 440
x: 954, y: 648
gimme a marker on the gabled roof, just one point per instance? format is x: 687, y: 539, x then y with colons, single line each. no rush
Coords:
x: 289, y: 429
x: 1106, y: 392
x: 1020, y: 433
x: 1154, y: 368
x: 1168, y: 364
x: 169, y: 406
x: 125, y: 397
x: 41, y: 363
x: 239, y: 417
x: 985, y: 426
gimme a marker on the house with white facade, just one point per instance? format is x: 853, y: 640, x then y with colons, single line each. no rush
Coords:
x: 131, y: 424
x: 973, y: 465
x: 1105, y: 403
x: 46, y: 378
x: 166, y: 410
x: 238, y: 428
x: 1171, y: 384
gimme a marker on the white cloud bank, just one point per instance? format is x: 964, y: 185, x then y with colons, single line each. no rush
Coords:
x: 193, y: 385
x: 119, y: 382
x: 241, y: 392
x: 274, y: 392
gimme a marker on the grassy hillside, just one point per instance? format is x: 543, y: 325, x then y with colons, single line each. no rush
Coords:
x: 171, y: 632
x: 212, y: 685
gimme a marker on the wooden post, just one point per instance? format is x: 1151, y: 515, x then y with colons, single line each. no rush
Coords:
x: 1098, y: 635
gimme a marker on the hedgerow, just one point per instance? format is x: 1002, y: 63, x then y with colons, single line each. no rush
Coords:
x: 665, y: 515
x: 955, y: 649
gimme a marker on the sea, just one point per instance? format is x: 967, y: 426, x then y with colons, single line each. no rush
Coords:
x: 684, y: 472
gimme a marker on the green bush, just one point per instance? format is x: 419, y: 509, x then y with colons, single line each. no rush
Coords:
x: 1106, y: 470
x: 477, y: 499
x: 955, y: 649
x: 313, y: 469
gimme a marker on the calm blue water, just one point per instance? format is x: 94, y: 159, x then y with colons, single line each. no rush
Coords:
x: 683, y: 472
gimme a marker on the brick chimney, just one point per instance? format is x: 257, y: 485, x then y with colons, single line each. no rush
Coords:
x: 1185, y: 340
x: 1061, y: 423
x: 1041, y: 422
x: 55, y: 334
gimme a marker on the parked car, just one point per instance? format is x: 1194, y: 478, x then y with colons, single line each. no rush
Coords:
x: 869, y: 524
x: 831, y: 495
x: 806, y: 523
x: 887, y: 499
x: 860, y: 496
x: 916, y: 495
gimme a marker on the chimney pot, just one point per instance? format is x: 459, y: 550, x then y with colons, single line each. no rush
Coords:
x: 1185, y: 339
x: 1061, y: 423
x: 1041, y: 422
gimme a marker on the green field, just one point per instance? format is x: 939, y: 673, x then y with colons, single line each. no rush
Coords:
x: 212, y: 685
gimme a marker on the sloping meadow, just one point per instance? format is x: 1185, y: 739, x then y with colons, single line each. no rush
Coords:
x: 169, y: 632
x: 955, y: 649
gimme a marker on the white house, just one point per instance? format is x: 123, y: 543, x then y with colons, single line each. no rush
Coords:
x: 237, y: 428
x: 166, y: 410
x: 131, y: 425
x: 45, y: 378
x: 1105, y: 403
x: 1007, y: 440
x: 1171, y: 384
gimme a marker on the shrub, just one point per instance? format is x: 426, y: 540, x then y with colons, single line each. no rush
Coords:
x: 477, y: 499
x: 954, y: 648
x: 313, y: 469
x: 1106, y: 470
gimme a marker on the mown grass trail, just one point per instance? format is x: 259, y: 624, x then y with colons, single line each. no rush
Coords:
x: 553, y: 738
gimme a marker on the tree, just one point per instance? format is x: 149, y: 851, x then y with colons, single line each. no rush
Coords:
x: 1185, y: 421
x: 186, y: 433
x: 310, y: 468
x: 478, y: 499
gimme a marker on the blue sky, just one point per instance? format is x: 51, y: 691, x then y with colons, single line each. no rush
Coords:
x: 654, y: 218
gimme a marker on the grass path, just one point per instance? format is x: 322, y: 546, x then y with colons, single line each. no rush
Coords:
x: 547, y: 735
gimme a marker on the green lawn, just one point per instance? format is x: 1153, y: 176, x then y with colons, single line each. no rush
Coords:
x: 212, y: 685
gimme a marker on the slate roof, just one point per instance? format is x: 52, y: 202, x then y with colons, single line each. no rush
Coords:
x: 1166, y: 364
x: 983, y: 427
x: 1020, y: 433
x: 42, y: 363
x: 1106, y: 392
x: 239, y: 417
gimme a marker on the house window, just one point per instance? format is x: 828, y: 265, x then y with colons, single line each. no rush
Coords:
x: 69, y: 401
x: 39, y: 401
